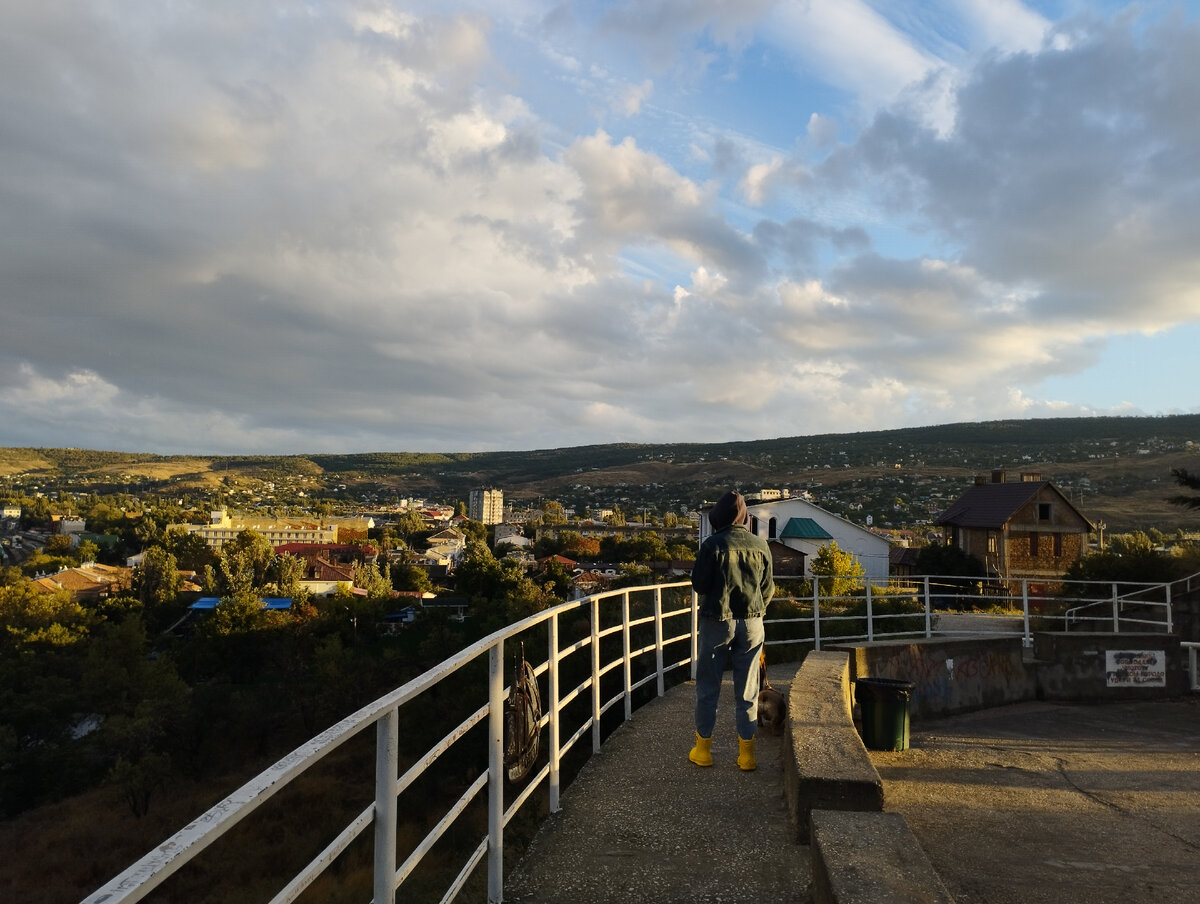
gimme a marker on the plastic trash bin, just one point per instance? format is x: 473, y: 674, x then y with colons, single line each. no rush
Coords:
x: 883, y: 704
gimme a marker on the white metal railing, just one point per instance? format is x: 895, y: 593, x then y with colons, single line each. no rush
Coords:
x: 863, y: 610
x: 165, y: 860
x: 867, y: 609
x: 1193, y: 670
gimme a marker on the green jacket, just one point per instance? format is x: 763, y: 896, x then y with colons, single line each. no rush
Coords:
x: 732, y: 575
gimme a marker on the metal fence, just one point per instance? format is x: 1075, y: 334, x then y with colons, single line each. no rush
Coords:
x: 631, y: 624
x: 625, y: 638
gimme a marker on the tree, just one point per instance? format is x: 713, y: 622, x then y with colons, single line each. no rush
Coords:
x: 156, y: 580
x: 247, y: 563
x: 1189, y: 481
x: 32, y: 617
x: 58, y: 545
x: 191, y: 551
x: 406, y: 576
x: 87, y: 551
x: 838, y: 569
x: 553, y: 512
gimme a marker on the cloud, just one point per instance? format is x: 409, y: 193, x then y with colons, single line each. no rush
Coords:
x: 353, y: 227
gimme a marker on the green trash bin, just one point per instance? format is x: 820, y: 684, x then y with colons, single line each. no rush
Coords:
x: 883, y: 704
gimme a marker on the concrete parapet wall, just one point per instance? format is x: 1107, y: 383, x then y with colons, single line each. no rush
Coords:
x: 951, y: 675
x: 1074, y: 666
x: 955, y: 675
x: 826, y: 766
x: 868, y: 858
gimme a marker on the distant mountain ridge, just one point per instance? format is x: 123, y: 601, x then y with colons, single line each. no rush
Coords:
x: 1117, y: 461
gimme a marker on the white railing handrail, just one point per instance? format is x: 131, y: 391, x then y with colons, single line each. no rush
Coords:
x: 158, y: 865
x: 155, y: 867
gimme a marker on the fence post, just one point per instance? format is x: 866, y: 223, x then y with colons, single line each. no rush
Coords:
x: 626, y: 664
x: 595, y: 675
x: 1169, y: 621
x: 870, y: 619
x: 928, y: 610
x: 495, y: 773
x: 387, y: 758
x: 658, y: 639
x: 1116, y: 610
x: 554, y: 754
x: 816, y: 613
x: 1027, y: 640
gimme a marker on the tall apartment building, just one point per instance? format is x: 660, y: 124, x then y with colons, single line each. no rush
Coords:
x: 486, y: 505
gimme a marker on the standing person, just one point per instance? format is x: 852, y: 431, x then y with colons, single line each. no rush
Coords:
x: 732, y: 577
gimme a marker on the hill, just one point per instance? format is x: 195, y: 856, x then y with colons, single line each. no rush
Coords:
x: 1117, y: 469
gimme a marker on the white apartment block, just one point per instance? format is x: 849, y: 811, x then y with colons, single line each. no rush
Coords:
x: 486, y: 505
x: 221, y: 528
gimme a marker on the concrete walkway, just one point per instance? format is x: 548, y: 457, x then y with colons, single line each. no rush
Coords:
x: 1036, y: 803
x: 640, y: 823
x: 1052, y: 803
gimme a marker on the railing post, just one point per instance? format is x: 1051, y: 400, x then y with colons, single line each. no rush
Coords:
x: 626, y: 664
x: 387, y: 759
x: 1116, y: 610
x: 1169, y: 621
x: 870, y: 620
x: 595, y: 675
x: 555, y: 754
x: 1027, y: 640
x: 495, y: 773
x: 658, y: 640
x: 816, y: 613
x: 695, y: 631
x: 928, y: 610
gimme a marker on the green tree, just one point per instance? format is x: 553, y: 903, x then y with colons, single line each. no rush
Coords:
x: 30, y: 617
x: 156, y: 581
x: 246, y: 563
x: 406, y: 576
x: 58, y: 545
x: 553, y: 512
x: 836, y: 569
x: 191, y: 551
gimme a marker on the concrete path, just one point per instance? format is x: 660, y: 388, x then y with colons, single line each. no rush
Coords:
x: 640, y: 823
x: 1056, y: 803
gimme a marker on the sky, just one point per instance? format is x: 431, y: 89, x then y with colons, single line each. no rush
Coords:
x: 234, y: 227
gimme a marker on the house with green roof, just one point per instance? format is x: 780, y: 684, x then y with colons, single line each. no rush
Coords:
x: 796, y: 529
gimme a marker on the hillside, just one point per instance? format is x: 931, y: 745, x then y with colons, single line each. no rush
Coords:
x: 1118, y: 470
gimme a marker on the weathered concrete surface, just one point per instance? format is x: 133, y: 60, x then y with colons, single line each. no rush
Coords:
x: 640, y: 823
x: 826, y: 765
x: 1072, y: 666
x: 955, y: 675
x: 867, y: 858
x: 1056, y: 802
x: 951, y: 675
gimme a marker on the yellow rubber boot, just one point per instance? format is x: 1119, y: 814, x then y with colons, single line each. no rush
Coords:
x: 701, y: 754
x: 746, y: 761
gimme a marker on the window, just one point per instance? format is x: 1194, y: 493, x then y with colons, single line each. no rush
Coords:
x: 993, y: 543
x: 1033, y: 544
x: 771, y: 529
x: 754, y: 525
x: 1043, y: 511
x: 1057, y: 540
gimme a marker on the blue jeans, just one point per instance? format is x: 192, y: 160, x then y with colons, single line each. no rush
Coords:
x: 718, y: 642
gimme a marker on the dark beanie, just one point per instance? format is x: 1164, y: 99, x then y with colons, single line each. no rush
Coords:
x: 730, y: 509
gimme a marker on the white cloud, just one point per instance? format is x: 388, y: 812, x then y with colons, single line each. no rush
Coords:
x: 355, y: 227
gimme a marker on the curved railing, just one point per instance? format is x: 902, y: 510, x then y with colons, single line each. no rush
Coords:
x: 634, y: 639
x: 630, y: 625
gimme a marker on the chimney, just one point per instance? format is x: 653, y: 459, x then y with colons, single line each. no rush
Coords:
x: 981, y: 480
x: 1031, y: 477
x: 998, y: 476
